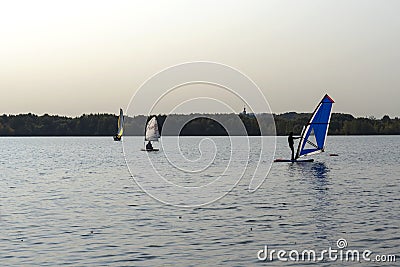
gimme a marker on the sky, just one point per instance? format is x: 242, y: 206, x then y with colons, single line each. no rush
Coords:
x: 74, y: 57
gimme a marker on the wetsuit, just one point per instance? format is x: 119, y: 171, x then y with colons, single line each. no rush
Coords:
x: 291, y: 144
x: 149, y: 146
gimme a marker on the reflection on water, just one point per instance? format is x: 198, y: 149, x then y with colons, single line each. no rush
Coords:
x: 308, y: 169
x: 311, y: 169
x: 319, y: 170
x: 324, y: 204
x: 315, y: 175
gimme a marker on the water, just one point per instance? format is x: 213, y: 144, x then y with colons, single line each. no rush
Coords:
x: 71, y: 201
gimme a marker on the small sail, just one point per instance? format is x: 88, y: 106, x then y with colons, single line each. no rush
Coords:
x: 152, y: 133
x: 120, y: 123
x: 314, y: 133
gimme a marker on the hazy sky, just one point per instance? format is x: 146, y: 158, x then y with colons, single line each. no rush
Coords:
x: 74, y: 57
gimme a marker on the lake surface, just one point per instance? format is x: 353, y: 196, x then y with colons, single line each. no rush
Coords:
x: 72, y: 201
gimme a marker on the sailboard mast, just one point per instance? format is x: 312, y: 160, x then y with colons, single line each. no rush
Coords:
x: 316, y: 129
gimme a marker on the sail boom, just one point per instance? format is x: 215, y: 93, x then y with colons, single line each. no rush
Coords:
x: 151, y: 139
x: 312, y: 153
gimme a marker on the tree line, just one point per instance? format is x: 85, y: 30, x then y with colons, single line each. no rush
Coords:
x: 203, y: 124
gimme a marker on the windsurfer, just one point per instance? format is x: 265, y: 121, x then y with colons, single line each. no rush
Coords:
x: 291, y: 143
x: 149, y: 146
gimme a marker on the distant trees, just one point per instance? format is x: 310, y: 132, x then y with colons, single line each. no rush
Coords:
x: 106, y: 124
x: 341, y: 124
x: 52, y: 125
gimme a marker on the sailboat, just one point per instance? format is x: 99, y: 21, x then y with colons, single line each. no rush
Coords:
x: 313, y: 136
x: 120, y: 131
x: 151, y: 134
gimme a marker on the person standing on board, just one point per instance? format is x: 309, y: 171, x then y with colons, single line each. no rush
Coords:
x: 149, y: 146
x: 291, y: 143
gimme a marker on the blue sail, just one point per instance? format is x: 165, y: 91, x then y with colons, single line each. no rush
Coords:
x: 314, y: 133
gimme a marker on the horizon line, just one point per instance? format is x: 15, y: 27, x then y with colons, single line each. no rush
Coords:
x: 163, y: 114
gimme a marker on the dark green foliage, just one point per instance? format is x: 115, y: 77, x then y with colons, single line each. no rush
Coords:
x: 106, y: 124
x: 203, y: 127
x: 52, y: 125
x: 341, y: 124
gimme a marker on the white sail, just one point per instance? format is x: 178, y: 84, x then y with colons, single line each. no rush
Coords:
x: 152, y: 133
x: 120, y: 124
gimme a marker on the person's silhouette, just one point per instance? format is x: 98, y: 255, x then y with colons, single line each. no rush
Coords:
x: 149, y: 146
x: 291, y: 143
